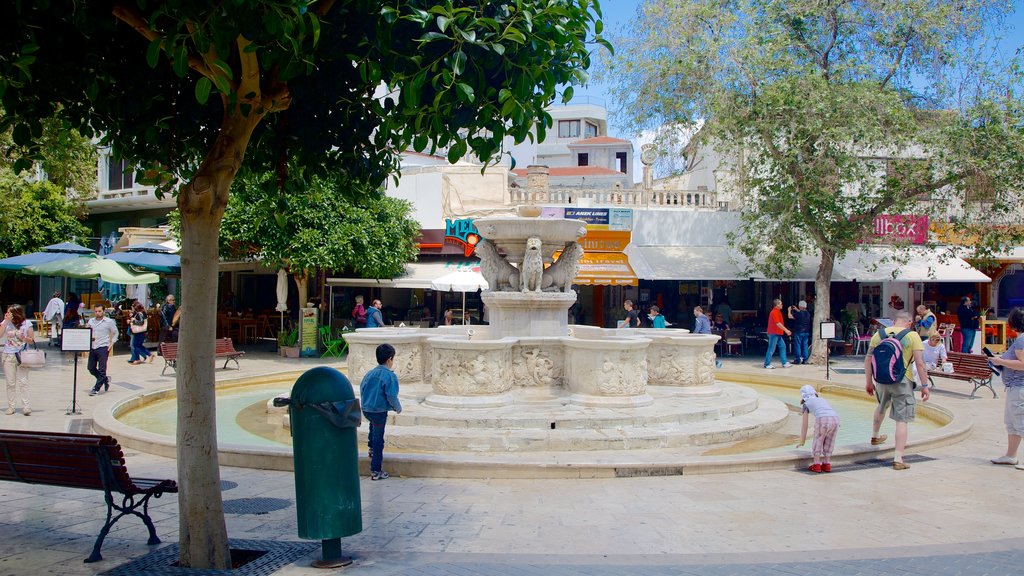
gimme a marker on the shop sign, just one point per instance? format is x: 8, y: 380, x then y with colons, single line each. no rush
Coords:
x: 620, y: 219
x: 605, y: 240
x: 901, y: 228
x: 463, y: 233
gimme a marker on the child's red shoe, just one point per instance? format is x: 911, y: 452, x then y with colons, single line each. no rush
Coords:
x: 816, y: 468
x: 826, y: 467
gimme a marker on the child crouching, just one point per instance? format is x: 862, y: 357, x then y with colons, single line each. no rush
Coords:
x: 826, y: 426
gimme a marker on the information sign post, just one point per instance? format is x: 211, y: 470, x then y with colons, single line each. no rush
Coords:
x: 827, y: 331
x: 75, y: 340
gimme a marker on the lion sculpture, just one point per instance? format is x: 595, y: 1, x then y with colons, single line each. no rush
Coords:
x: 500, y: 275
x: 531, y: 274
x: 559, y: 276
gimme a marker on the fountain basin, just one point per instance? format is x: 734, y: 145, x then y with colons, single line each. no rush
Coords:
x: 469, y: 372
x: 608, y: 372
x: 675, y: 435
x: 510, y: 234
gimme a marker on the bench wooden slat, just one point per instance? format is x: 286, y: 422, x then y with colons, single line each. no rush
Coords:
x: 972, y: 368
x: 223, y: 348
x: 83, y: 461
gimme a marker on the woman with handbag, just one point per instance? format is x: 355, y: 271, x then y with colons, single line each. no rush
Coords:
x: 139, y: 325
x: 17, y: 334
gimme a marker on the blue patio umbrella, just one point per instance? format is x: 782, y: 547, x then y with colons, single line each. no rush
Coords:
x: 149, y: 261
x: 51, y: 253
x: 149, y: 256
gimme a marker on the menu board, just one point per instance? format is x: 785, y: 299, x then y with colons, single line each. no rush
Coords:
x: 307, y: 333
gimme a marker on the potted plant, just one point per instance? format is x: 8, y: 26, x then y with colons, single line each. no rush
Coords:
x: 287, y: 343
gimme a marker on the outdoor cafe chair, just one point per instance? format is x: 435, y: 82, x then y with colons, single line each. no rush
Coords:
x: 733, y: 340
x: 858, y: 340
x: 334, y: 347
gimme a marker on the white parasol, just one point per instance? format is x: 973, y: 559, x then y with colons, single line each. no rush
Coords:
x: 461, y: 281
x: 282, y: 294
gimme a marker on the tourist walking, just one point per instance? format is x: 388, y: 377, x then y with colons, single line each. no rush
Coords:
x: 776, y: 330
x: 139, y: 326
x: 801, y: 332
x: 632, y: 316
x: 378, y: 393
x: 374, y: 319
x: 17, y: 334
x: 168, y: 323
x: 968, y: 318
x: 72, y: 317
x: 1012, y: 362
x: 701, y: 324
x: 890, y: 379
x: 104, y: 334
x: 359, y: 313
x: 657, y: 319
x: 54, y: 314
x: 826, y: 426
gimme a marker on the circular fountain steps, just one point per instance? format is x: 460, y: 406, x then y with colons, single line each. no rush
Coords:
x: 537, y: 425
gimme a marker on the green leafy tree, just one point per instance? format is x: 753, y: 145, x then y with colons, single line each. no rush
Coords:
x: 323, y: 229
x: 191, y: 90
x: 66, y: 157
x: 36, y: 214
x: 830, y: 113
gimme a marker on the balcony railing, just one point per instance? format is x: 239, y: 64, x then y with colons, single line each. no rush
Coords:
x: 615, y: 197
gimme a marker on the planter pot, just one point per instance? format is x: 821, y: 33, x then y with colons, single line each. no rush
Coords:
x: 848, y: 349
x: 290, y: 351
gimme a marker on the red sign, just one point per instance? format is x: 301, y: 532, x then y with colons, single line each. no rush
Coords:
x: 901, y: 228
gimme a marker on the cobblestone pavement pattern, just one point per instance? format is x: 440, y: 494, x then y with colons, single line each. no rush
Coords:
x: 955, y: 514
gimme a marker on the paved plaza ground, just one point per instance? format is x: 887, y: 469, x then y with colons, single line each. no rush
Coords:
x: 951, y: 513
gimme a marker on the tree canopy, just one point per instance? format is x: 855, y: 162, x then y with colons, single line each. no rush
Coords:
x: 36, y: 214
x: 67, y: 159
x: 831, y: 113
x: 191, y: 91
x: 323, y: 229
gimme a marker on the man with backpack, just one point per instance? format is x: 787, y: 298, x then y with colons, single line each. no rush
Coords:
x: 890, y: 379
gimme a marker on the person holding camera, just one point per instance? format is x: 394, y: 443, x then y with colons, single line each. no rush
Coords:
x: 801, y: 332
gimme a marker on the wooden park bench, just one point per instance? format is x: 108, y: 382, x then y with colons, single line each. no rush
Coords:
x: 81, y: 461
x: 225, y: 348
x: 973, y: 368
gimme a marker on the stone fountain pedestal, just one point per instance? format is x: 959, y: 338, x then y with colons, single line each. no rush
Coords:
x: 529, y: 314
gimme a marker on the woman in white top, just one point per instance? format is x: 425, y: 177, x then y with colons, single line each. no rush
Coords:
x: 16, y: 333
x: 934, y: 351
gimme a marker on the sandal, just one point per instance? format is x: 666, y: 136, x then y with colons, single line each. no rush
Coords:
x: 879, y: 440
x: 900, y: 465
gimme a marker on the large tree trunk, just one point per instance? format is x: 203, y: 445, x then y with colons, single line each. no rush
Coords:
x: 302, y: 287
x: 202, y: 531
x: 822, y: 304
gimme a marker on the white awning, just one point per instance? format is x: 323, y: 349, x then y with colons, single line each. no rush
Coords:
x: 685, y: 263
x: 806, y: 271
x: 417, y: 275
x: 878, y: 264
x: 866, y: 264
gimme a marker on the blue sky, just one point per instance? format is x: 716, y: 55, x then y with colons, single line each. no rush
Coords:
x: 617, y: 13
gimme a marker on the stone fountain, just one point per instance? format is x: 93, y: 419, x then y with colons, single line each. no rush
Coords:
x: 528, y: 379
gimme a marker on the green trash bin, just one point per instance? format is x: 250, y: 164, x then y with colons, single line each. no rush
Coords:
x: 325, y: 416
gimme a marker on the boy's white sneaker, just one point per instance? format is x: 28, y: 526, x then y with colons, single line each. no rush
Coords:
x: 769, y: 367
x: 787, y: 365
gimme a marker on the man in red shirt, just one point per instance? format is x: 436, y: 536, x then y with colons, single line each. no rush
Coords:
x: 776, y: 328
